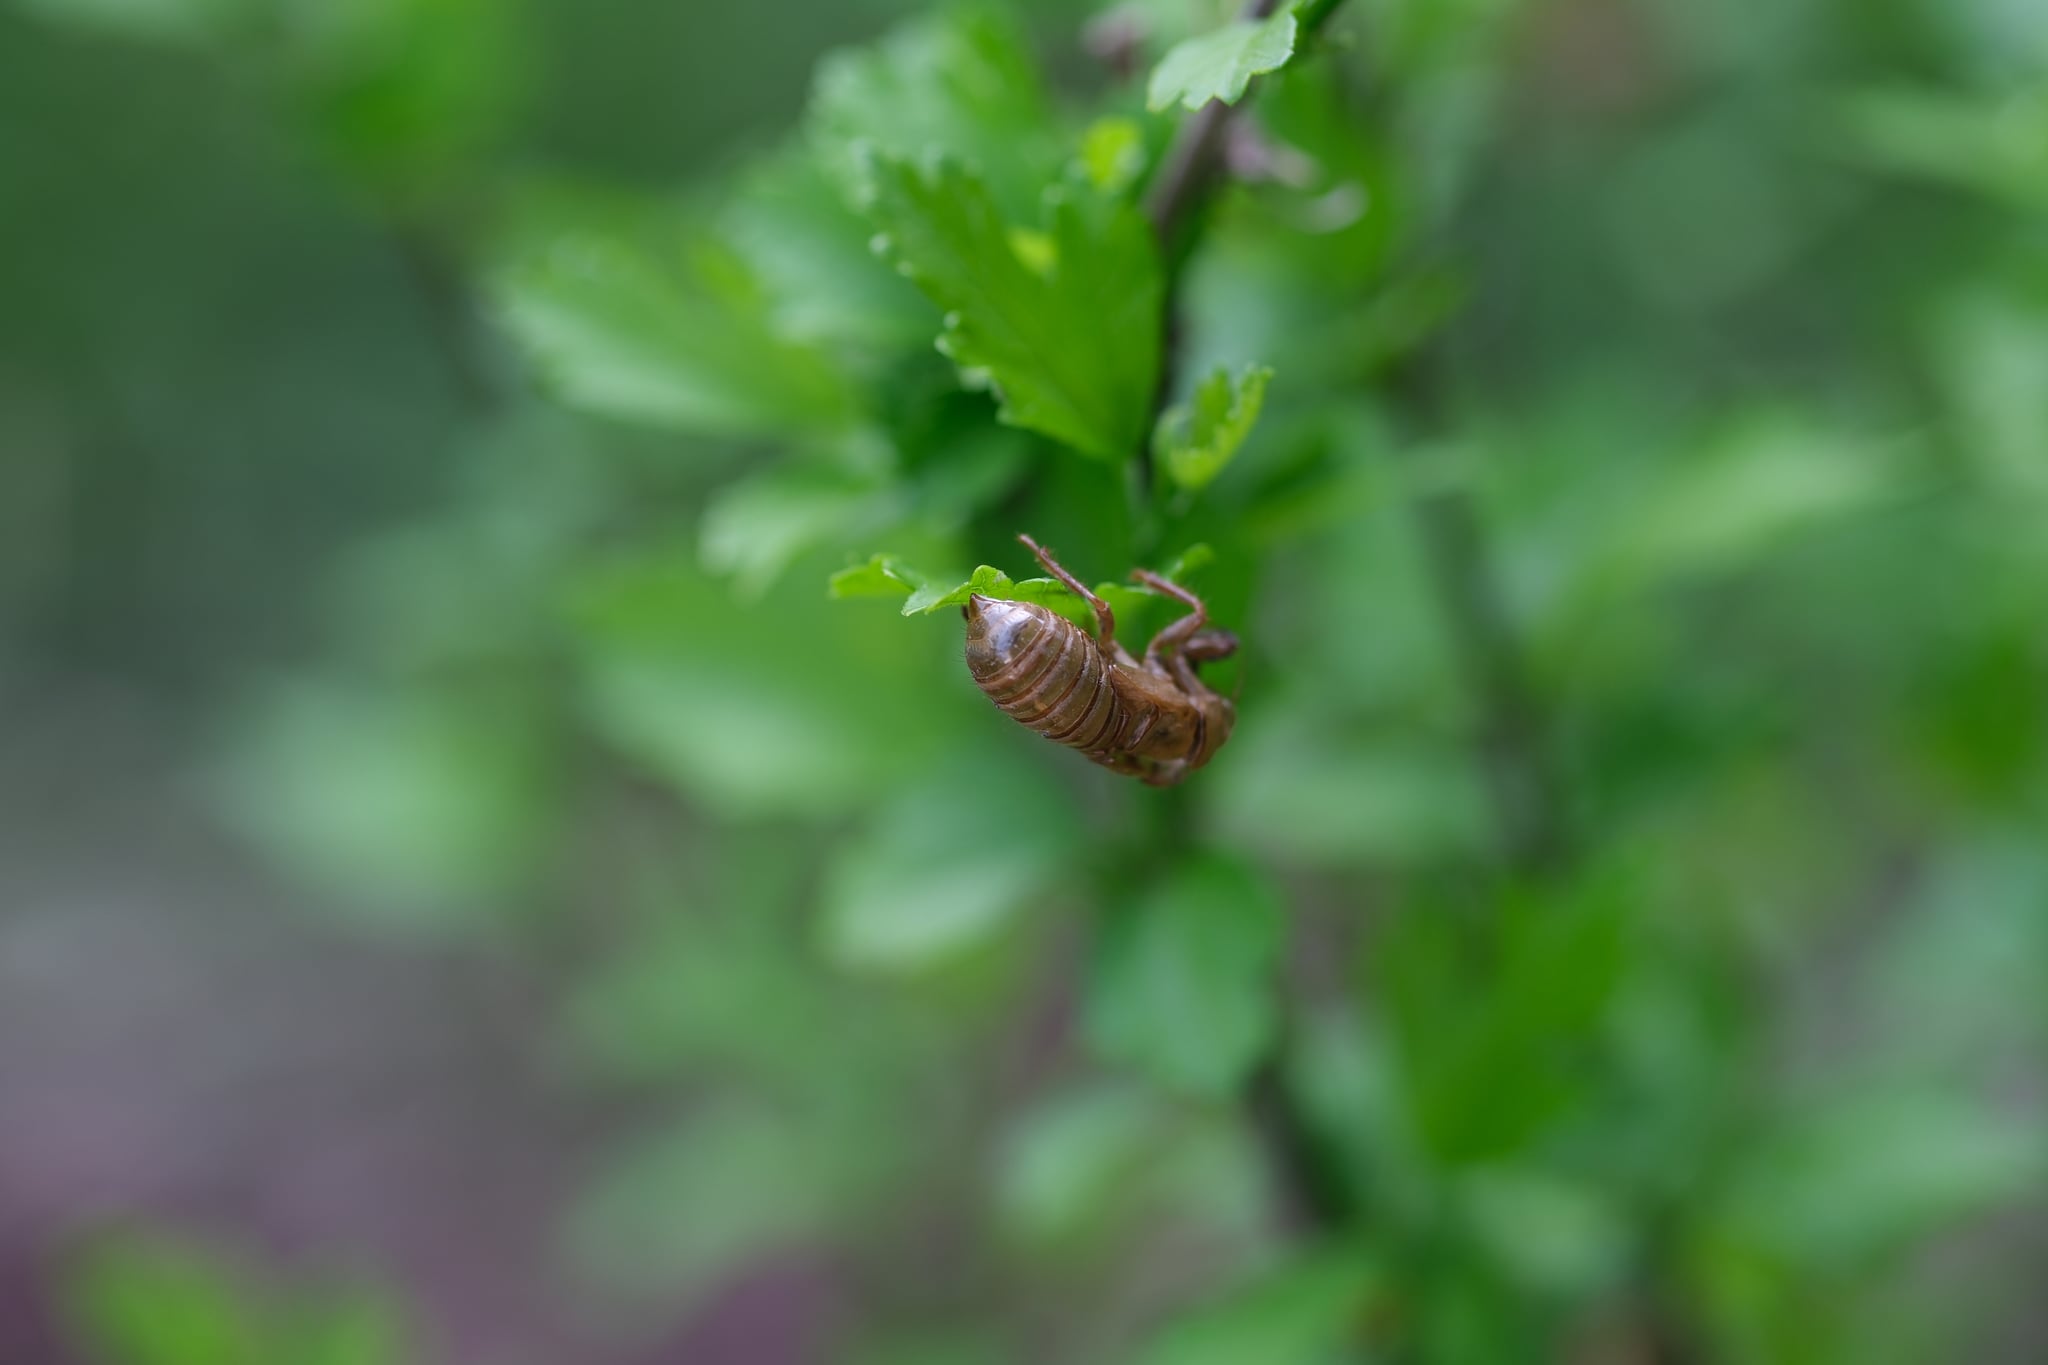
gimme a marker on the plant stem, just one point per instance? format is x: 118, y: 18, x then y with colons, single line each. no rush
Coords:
x: 1173, y: 201
x: 1311, y: 1188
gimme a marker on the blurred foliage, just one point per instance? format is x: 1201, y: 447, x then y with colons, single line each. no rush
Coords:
x: 151, y: 1301
x: 1618, y: 430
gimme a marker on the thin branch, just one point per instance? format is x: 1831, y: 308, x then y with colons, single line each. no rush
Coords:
x: 1186, y: 175
x: 1310, y: 1184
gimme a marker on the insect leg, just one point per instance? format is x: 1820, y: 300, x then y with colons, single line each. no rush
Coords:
x: 1105, y: 619
x: 1169, y: 642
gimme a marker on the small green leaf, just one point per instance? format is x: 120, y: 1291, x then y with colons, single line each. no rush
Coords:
x: 1194, y: 441
x: 1071, y: 350
x: 881, y: 576
x: 1197, y: 556
x: 1306, y: 1312
x: 1182, y: 985
x: 1219, y: 65
x: 888, y: 576
x: 1112, y: 154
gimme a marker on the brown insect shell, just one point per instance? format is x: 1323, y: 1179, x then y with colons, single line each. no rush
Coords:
x: 1054, y: 677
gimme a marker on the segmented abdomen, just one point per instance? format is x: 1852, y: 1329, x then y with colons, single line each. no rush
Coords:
x: 1046, y: 672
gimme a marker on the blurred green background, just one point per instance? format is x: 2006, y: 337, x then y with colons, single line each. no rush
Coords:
x: 468, y: 895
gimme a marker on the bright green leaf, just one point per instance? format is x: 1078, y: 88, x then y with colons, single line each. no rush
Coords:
x: 1219, y: 65
x: 1112, y: 154
x: 881, y: 576
x: 1182, y: 985
x: 1191, y: 560
x: 889, y: 576
x: 1072, y: 351
x: 1194, y: 441
x: 150, y: 1301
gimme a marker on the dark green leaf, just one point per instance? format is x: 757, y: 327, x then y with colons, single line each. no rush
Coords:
x: 1071, y: 351
x: 1495, y: 1013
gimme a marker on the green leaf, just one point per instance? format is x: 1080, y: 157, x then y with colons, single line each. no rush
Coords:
x: 1867, y: 1175
x: 1493, y: 1011
x: 640, y: 326
x: 350, y: 1329
x: 941, y: 869
x: 787, y: 705
x: 1194, y: 441
x: 1996, y: 146
x: 1755, y: 486
x: 881, y: 576
x: 148, y: 1299
x: 680, y: 1207
x: 889, y: 576
x: 426, y: 804
x: 1182, y: 983
x: 1305, y: 1312
x: 1219, y: 65
x: 1068, y: 1161
x: 1071, y: 351
x: 961, y: 82
x: 810, y: 251
x: 753, y: 528
x: 151, y: 1301
x: 1112, y: 154
x: 1196, y: 557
